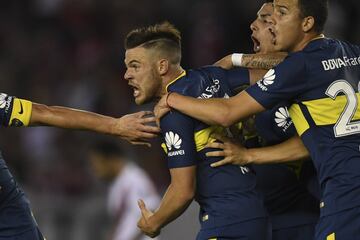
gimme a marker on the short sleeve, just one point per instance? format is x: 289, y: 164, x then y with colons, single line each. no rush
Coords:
x: 6, y: 106
x: 283, y: 83
x: 178, y: 140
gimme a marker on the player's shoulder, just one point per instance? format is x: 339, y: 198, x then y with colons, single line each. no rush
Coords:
x: 347, y: 47
x: 195, y: 81
x: 175, y: 119
x: 329, y: 44
x: 212, y: 69
x: 294, y: 62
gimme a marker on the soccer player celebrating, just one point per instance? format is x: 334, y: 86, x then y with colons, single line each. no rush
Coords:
x: 321, y: 79
x: 292, y: 209
x: 16, y: 220
x: 230, y: 207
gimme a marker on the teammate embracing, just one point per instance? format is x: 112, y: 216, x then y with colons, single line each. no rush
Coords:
x: 320, y: 78
x: 286, y: 180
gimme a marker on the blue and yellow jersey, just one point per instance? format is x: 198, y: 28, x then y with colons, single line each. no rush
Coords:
x: 15, y: 214
x: 322, y: 83
x: 285, y: 186
x: 226, y: 194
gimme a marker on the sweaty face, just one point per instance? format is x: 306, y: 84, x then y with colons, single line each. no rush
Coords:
x: 141, y: 74
x: 262, y: 37
x: 287, y: 25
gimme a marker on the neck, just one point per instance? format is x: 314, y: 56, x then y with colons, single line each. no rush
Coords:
x: 306, y: 40
x: 170, y: 76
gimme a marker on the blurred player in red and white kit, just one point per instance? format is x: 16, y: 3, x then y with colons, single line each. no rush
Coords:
x: 16, y: 219
x: 128, y: 184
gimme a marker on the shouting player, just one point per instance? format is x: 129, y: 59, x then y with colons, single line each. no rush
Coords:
x: 292, y: 209
x: 230, y: 207
x: 321, y: 79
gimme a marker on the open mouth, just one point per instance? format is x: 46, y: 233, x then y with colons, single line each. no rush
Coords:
x: 256, y: 44
x: 136, y: 91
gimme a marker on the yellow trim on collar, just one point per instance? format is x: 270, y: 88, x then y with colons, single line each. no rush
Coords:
x: 321, y: 36
x: 177, y: 78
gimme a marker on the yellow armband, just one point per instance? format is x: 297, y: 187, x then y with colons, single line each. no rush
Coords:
x: 21, y: 113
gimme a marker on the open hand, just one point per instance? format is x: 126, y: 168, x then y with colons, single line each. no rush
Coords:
x: 233, y: 152
x: 135, y: 128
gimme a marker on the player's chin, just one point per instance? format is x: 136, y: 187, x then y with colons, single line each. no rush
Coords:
x: 279, y: 48
x: 139, y: 100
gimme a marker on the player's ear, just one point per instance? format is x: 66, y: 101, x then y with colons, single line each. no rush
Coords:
x: 163, y: 66
x: 308, y: 24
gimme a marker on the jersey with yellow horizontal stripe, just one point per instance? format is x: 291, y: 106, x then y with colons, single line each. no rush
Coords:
x: 226, y: 194
x: 285, y: 186
x: 15, y: 213
x: 322, y: 84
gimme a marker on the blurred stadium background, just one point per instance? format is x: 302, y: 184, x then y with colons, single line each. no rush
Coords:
x: 70, y: 52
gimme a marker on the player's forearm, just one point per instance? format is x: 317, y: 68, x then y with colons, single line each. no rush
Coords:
x: 209, y: 111
x: 252, y: 61
x: 290, y: 150
x: 173, y: 204
x: 262, y: 61
x: 70, y: 118
x: 219, y: 111
x: 225, y: 62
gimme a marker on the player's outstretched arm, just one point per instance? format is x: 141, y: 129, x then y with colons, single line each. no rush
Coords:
x: 177, y: 198
x: 16, y: 112
x: 131, y: 127
x: 214, y: 111
x: 234, y: 153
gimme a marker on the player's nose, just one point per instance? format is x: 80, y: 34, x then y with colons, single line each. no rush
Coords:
x: 253, y: 26
x: 127, y: 75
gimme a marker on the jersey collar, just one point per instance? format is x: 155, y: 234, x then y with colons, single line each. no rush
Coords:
x: 177, y: 78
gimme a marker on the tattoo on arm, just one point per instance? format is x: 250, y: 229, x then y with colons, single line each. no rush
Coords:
x: 262, y: 61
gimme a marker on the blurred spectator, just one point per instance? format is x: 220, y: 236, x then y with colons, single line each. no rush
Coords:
x: 129, y: 183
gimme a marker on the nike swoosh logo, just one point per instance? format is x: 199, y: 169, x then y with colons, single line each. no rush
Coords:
x: 21, y: 108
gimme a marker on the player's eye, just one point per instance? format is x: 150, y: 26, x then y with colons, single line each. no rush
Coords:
x: 282, y: 11
x: 134, y: 67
